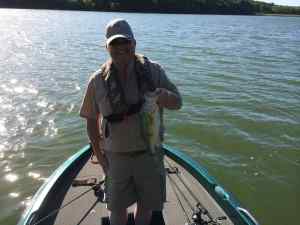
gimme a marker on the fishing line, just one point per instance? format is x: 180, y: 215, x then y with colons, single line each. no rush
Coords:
x: 188, y: 189
x: 178, y: 198
x: 182, y: 194
x: 185, y: 185
x: 87, y: 212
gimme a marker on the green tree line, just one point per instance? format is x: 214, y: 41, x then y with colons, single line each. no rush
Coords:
x: 244, y: 7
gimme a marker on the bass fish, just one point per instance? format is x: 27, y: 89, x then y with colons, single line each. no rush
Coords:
x: 150, y: 120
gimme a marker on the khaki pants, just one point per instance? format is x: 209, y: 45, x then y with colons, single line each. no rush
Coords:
x: 135, y: 178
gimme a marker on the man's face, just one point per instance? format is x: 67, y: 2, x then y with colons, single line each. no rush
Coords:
x: 121, y: 50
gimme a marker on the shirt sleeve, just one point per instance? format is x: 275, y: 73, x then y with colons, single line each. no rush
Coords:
x: 89, y: 108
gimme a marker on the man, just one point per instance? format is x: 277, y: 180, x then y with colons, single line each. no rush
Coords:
x: 112, y: 106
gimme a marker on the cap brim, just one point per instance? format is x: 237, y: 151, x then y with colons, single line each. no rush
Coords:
x: 109, y: 40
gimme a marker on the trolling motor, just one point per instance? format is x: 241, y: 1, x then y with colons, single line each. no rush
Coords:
x: 92, y: 182
x: 200, y: 217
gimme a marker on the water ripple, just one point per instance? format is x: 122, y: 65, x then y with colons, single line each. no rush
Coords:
x: 239, y: 78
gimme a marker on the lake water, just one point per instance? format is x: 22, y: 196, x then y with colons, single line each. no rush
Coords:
x: 239, y: 77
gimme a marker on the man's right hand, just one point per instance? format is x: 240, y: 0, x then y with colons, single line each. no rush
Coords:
x: 95, y: 138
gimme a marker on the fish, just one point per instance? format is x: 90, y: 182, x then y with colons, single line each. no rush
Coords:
x: 150, y: 120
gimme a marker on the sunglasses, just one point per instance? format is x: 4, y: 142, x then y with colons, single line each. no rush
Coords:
x: 120, y: 41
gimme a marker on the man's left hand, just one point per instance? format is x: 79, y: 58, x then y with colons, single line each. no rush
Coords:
x: 163, y: 97
x: 168, y: 99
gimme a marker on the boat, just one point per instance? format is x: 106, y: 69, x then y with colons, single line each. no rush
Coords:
x: 74, y: 195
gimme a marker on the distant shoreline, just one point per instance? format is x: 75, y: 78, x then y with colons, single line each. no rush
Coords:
x: 158, y: 12
x: 283, y: 15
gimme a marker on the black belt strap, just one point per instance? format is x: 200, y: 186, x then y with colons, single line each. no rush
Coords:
x: 133, y: 109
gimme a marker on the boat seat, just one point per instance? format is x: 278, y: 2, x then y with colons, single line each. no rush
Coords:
x: 157, y: 219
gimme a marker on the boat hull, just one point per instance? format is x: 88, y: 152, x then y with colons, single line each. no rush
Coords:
x: 56, y: 200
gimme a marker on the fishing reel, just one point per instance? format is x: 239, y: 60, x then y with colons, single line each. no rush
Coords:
x: 200, y: 217
x: 97, y: 187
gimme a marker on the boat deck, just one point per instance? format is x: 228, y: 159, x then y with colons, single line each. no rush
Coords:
x: 183, y: 193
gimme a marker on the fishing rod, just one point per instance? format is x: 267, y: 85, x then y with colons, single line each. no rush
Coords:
x: 92, y: 182
x: 200, y: 215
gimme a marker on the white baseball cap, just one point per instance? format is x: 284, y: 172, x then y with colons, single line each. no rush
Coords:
x: 118, y: 28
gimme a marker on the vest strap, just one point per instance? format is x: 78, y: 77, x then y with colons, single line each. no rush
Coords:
x: 133, y: 109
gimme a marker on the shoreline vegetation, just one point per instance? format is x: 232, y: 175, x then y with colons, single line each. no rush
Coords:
x: 223, y: 7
